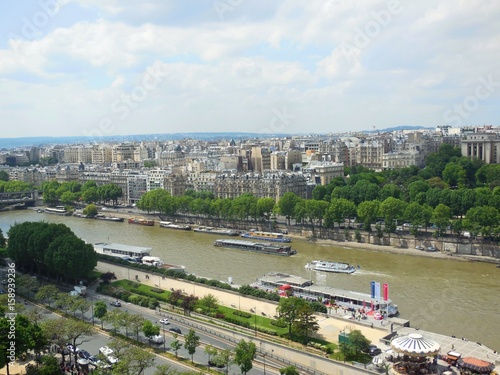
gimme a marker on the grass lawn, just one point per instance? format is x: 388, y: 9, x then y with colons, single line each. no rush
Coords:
x: 261, y: 322
x: 141, y: 289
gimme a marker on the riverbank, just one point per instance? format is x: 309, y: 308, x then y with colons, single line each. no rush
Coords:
x: 349, y: 244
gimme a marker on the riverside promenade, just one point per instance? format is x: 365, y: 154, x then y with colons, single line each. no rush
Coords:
x: 330, y: 325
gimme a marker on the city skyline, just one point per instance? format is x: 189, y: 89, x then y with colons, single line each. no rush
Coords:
x: 101, y: 68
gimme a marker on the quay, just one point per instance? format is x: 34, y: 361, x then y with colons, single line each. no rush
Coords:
x: 331, y: 325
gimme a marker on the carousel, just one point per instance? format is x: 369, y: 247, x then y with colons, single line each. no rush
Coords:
x: 414, y: 355
x: 471, y: 366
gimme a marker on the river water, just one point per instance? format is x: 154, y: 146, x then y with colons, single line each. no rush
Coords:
x: 440, y: 295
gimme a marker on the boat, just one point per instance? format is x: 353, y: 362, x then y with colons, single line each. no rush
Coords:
x: 286, y: 285
x: 122, y: 251
x: 219, y: 231
x: 266, y: 236
x: 168, y: 224
x: 58, y: 210
x: 157, y: 262
x: 146, y: 222
x: 259, y: 247
x: 81, y: 216
x: 327, y: 266
x: 109, y: 218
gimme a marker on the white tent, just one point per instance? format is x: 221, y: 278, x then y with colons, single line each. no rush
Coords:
x: 415, y: 345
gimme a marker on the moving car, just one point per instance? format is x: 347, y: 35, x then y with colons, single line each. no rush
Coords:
x: 164, y: 321
x: 175, y: 330
x: 116, y: 304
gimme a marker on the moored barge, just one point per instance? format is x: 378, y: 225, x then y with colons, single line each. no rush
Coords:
x: 258, y: 247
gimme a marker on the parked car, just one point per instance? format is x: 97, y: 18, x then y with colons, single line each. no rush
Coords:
x: 175, y: 330
x: 116, y: 304
x: 84, y: 354
x: 164, y: 321
x: 157, y: 339
x: 374, y: 351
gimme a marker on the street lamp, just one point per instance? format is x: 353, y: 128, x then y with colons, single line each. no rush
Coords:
x: 164, y: 350
x: 92, y: 307
x: 264, y: 357
x: 255, y: 321
x: 343, y: 344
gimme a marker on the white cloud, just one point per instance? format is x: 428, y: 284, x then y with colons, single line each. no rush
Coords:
x: 231, y: 73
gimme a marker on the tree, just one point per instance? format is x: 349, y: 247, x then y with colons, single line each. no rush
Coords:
x: 149, y: 328
x: 289, y: 370
x: 288, y: 311
x: 28, y: 336
x: 265, y: 207
x: 191, y: 342
x: 47, y: 293
x: 90, y: 210
x: 441, y: 218
x: 209, y: 303
x: 306, y: 321
x: 357, y: 341
x: 175, y: 345
x: 286, y: 205
x: 135, y: 323
x: 166, y: 370
x: 4, y: 176
x: 367, y: 212
x: 454, y: 175
x: 100, y: 311
x: 224, y: 358
x: 245, y: 352
x: 2, y: 239
x: 82, y: 305
x: 76, y: 332
x: 210, y: 351
x: 132, y: 360
x: 392, y: 209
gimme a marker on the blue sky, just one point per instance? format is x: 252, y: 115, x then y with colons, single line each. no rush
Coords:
x: 110, y: 67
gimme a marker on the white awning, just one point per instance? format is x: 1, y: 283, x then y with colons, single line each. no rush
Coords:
x: 415, y: 345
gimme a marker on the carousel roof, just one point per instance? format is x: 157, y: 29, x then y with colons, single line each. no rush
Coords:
x: 476, y: 364
x: 415, y: 345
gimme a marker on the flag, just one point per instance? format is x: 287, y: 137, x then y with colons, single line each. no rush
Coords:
x: 386, y: 291
x: 377, y: 291
x: 372, y: 306
x: 372, y: 285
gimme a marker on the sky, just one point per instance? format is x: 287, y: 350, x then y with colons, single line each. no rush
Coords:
x: 118, y: 67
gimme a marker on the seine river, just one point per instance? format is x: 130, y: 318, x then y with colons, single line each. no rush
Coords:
x: 441, y: 295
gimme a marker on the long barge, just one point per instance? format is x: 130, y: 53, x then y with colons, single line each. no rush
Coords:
x: 258, y: 247
x: 266, y: 236
x: 146, y: 222
x: 219, y: 231
x: 170, y: 225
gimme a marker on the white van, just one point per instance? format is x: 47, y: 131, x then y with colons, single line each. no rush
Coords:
x: 157, y: 339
